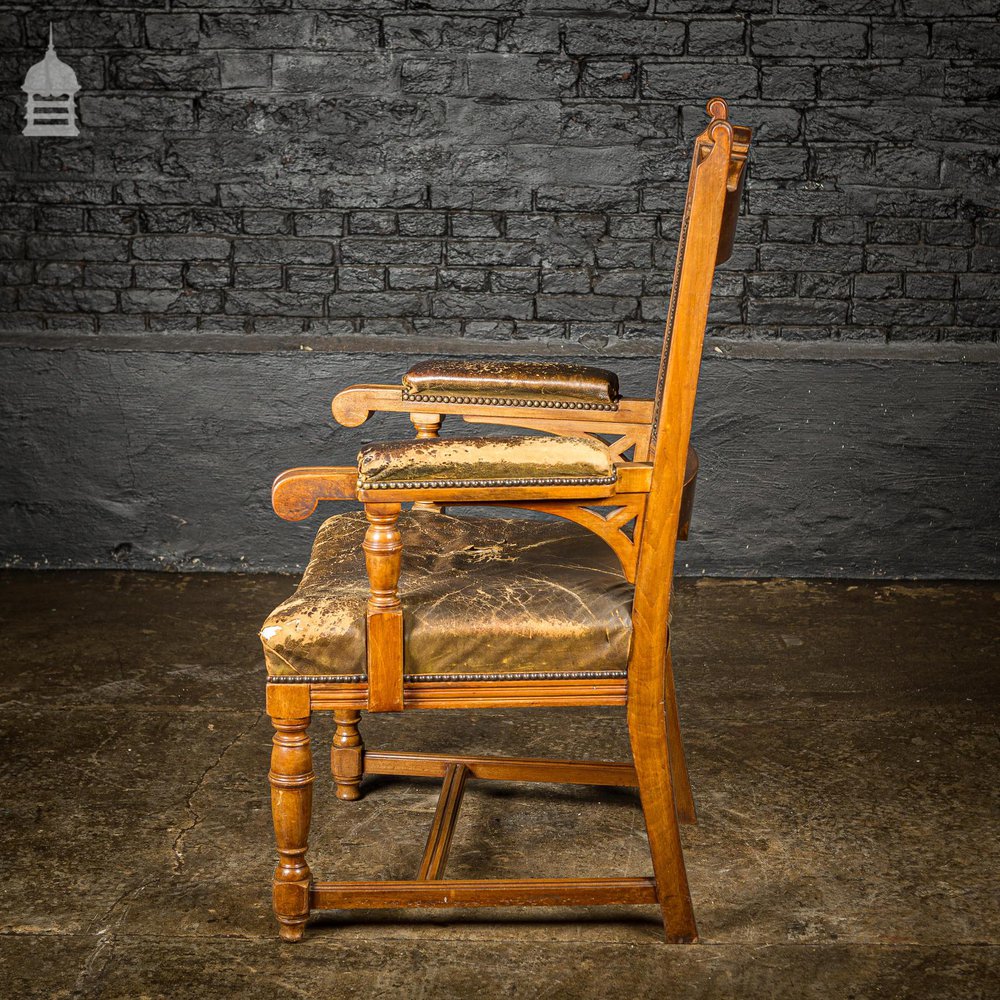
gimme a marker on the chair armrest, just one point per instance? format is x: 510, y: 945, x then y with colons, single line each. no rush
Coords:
x: 630, y: 477
x: 296, y: 492
x: 547, y: 384
x: 491, y: 468
x: 354, y: 405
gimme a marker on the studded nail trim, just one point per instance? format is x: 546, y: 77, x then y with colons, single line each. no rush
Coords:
x: 461, y: 484
x: 553, y: 404
x: 579, y: 675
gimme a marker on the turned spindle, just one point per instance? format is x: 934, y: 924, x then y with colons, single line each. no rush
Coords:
x: 291, y: 778
x: 383, y: 547
x: 347, y: 757
x: 427, y: 426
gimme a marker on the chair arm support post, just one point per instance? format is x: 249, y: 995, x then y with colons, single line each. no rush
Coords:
x: 383, y: 548
x: 428, y: 427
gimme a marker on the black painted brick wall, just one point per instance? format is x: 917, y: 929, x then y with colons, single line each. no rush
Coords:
x: 500, y: 170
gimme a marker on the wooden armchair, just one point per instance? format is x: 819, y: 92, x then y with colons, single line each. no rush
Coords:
x: 504, y: 612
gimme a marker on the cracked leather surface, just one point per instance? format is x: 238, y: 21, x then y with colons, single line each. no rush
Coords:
x: 490, y: 459
x: 480, y: 595
x: 512, y: 380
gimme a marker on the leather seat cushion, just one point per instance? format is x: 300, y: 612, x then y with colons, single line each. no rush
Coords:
x: 487, y: 461
x: 549, y: 382
x: 480, y: 596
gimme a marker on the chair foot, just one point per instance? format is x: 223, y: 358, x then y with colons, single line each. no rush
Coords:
x: 292, y: 932
x: 680, y: 938
x: 347, y: 758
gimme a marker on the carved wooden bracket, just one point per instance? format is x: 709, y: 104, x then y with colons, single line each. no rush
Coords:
x: 632, y: 435
x: 623, y: 510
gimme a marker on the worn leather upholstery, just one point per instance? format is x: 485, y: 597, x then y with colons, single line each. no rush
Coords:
x: 546, y: 383
x: 520, y: 459
x: 480, y: 596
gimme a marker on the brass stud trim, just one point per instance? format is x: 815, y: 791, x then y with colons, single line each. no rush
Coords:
x: 554, y: 675
x: 550, y: 404
x: 458, y: 484
x: 317, y: 679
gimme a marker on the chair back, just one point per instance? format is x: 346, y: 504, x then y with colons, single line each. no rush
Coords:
x: 711, y: 208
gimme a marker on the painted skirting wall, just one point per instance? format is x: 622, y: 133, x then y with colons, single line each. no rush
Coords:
x: 843, y: 466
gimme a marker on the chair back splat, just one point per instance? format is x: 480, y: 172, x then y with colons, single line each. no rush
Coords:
x: 417, y: 609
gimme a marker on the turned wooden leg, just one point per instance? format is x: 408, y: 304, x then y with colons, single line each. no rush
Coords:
x: 291, y: 779
x: 383, y: 548
x: 678, y: 765
x: 648, y: 735
x: 347, y: 758
x: 427, y: 425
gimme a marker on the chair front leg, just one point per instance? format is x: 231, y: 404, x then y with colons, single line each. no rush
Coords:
x: 291, y: 779
x: 347, y: 758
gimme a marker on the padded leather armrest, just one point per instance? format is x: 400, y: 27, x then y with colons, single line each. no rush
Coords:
x: 477, y: 463
x: 532, y: 383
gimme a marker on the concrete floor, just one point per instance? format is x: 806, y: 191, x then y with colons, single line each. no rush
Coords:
x: 842, y: 742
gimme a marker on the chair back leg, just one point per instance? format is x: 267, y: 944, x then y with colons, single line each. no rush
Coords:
x: 683, y: 796
x: 648, y: 736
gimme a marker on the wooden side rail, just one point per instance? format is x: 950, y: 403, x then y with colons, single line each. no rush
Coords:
x: 571, y: 772
x: 482, y: 892
x: 571, y: 692
x: 443, y: 827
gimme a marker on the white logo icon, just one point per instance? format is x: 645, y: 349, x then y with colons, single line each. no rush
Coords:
x: 51, y: 86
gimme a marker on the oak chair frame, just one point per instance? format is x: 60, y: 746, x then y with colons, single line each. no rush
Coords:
x: 654, y: 489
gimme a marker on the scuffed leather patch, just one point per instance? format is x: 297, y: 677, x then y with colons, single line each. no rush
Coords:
x: 484, y: 381
x: 513, y: 459
x: 480, y: 596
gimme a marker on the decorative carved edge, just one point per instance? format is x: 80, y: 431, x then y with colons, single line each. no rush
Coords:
x: 718, y: 111
x: 661, y: 374
x: 624, y: 509
x: 296, y: 492
x: 632, y: 434
x: 561, y: 404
